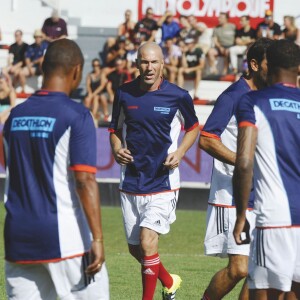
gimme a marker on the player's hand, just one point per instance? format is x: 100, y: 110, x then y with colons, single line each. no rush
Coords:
x: 96, y: 258
x: 241, y: 231
x: 172, y: 161
x: 123, y: 156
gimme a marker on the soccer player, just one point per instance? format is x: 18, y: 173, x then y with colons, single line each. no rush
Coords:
x: 268, y: 151
x: 148, y: 114
x: 218, y: 138
x: 53, y: 235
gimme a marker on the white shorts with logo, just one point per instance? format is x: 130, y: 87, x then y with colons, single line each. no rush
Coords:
x: 65, y: 280
x: 155, y: 211
x: 274, y: 260
x: 219, y: 240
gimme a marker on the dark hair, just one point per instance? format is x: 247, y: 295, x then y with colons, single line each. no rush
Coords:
x: 95, y: 60
x: 226, y: 14
x: 246, y: 17
x: 283, y: 54
x: 61, y: 56
x: 257, y: 51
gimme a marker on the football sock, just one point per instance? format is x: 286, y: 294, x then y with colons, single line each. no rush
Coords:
x: 164, y: 276
x: 205, y: 297
x: 150, y: 270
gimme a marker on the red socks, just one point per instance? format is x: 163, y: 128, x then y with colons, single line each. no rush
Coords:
x: 150, y: 270
x: 164, y: 276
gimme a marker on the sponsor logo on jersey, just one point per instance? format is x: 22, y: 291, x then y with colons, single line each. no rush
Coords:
x: 285, y: 104
x: 162, y: 110
x: 133, y: 107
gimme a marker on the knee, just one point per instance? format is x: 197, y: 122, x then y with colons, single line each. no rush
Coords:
x: 238, y: 272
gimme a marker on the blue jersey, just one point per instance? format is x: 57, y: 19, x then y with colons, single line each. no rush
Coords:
x: 275, y: 112
x: 151, y: 123
x: 222, y: 125
x: 45, y: 138
x: 36, y: 51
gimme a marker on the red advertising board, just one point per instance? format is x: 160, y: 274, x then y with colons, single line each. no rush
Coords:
x: 207, y: 11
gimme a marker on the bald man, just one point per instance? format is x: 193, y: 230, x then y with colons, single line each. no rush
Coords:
x: 148, y: 115
x: 53, y: 233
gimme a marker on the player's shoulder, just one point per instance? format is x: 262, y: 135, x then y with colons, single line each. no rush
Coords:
x: 173, y: 88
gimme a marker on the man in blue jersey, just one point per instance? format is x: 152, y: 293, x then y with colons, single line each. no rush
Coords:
x: 148, y: 115
x: 268, y: 152
x: 53, y: 232
x: 218, y: 138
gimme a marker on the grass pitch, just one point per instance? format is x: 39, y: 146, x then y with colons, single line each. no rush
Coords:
x: 181, y: 252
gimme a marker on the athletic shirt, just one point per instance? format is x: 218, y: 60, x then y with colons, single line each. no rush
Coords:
x: 275, y: 112
x: 45, y: 138
x: 222, y: 125
x: 151, y: 123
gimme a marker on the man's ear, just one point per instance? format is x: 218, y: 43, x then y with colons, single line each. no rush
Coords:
x: 254, y: 65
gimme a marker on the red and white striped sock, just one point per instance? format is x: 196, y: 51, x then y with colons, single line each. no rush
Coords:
x: 150, y: 270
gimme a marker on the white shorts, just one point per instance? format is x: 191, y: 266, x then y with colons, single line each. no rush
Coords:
x: 65, y: 280
x: 155, y: 211
x: 219, y: 240
x: 274, y: 258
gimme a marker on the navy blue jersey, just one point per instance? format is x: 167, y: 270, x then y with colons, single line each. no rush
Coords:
x: 45, y: 138
x: 222, y: 125
x: 151, y: 123
x: 275, y: 112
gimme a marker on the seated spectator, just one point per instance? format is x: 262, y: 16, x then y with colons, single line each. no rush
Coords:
x: 33, y: 59
x: 96, y: 91
x: 202, y: 37
x: 16, y: 58
x: 131, y: 60
x: 243, y: 38
x: 145, y: 29
x: 223, y: 39
x: 118, y: 50
x: 7, y: 97
x: 192, y: 64
x: 169, y: 27
x: 127, y: 28
x: 187, y: 30
x: 268, y: 28
x: 172, y: 54
x: 55, y: 27
x: 116, y: 78
x: 290, y: 31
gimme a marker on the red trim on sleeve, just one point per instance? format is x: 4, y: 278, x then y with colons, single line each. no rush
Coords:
x: 210, y: 135
x: 84, y: 168
x: 193, y: 127
x: 111, y: 130
x: 246, y: 124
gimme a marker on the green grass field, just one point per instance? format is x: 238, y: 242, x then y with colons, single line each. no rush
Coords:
x: 181, y: 251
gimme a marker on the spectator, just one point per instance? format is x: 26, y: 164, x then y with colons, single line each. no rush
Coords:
x: 7, y: 97
x: 127, y: 28
x: 169, y: 27
x: 223, y: 39
x: 131, y: 59
x: 118, y: 50
x: 172, y: 54
x: 203, y: 38
x: 96, y: 91
x: 187, y: 30
x: 192, y: 64
x: 55, y: 27
x: 243, y: 38
x: 33, y: 58
x: 16, y: 58
x: 290, y: 31
x: 117, y: 78
x: 146, y: 29
x: 268, y: 28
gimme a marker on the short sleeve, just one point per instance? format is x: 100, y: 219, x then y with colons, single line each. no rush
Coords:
x: 186, y: 108
x: 117, y: 119
x: 245, y: 112
x: 219, y: 117
x: 83, y: 144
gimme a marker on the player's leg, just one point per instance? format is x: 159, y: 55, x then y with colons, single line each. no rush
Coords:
x: 28, y: 281
x: 197, y: 82
x: 227, y: 278
x: 266, y: 294
x: 71, y: 281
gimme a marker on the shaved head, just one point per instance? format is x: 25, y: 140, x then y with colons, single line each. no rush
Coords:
x: 61, y: 56
x: 150, y: 63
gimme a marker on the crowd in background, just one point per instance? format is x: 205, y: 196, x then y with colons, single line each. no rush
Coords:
x: 192, y: 51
